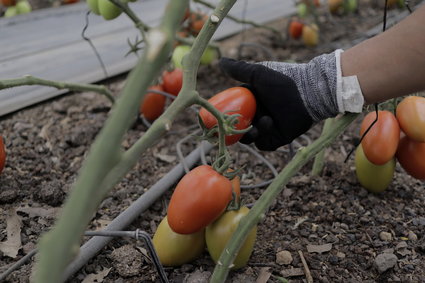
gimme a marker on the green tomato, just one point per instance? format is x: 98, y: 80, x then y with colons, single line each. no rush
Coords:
x: 350, y: 6
x: 374, y: 178
x: 108, y: 10
x: 94, y: 6
x: 219, y: 233
x: 23, y: 7
x: 178, y: 55
x: 10, y: 12
x: 177, y: 249
x: 210, y: 54
x: 302, y: 10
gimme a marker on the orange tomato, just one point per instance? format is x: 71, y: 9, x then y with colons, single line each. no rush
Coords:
x: 200, y: 197
x: 410, y: 114
x: 411, y: 156
x: 153, y: 104
x: 2, y: 154
x: 196, y: 22
x: 295, y: 29
x: 235, y: 100
x: 380, y: 143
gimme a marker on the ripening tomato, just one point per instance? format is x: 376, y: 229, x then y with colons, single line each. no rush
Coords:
x: 236, y: 186
x: 8, y: 3
x: 411, y: 116
x: 411, y: 156
x: 196, y: 22
x: 235, y: 100
x: 176, y: 249
x: 108, y: 10
x: 310, y: 35
x: 200, y: 197
x: 295, y: 29
x: 178, y: 53
x: 220, y: 231
x: 2, y: 154
x: 380, y: 143
x: 153, y: 104
x: 172, y: 81
x: 374, y: 178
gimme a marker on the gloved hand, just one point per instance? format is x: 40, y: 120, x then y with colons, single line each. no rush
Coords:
x: 292, y: 97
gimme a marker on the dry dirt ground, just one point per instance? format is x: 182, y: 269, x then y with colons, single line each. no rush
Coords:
x: 345, y: 233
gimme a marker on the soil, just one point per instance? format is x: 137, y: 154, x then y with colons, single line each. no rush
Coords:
x: 331, y: 221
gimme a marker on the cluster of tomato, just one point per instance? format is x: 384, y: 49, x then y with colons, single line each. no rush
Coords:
x: 398, y: 137
x: 309, y: 33
x: 153, y: 103
x: 197, y: 215
x: 14, y: 7
x: 2, y: 154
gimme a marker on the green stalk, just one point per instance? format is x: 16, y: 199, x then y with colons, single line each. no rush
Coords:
x: 59, y: 246
x: 319, y: 160
x: 30, y: 80
x: 270, y: 194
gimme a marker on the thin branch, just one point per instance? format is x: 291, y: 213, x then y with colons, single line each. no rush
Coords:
x: 319, y: 160
x: 270, y: 194
x: 30, y: 80
x: 241, y: 21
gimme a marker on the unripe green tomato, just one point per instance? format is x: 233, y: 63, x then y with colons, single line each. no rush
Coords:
x: 350, y: 6
x: 23, y: 7
x: 374, y: 178
x: 108, y: 10
x: 210, y: 54
x: 10, y: 12
x: 176, y: 249
x: 94, y: 6
x: 178, y: 55
x: 302, y: 10
x: 220, y: 231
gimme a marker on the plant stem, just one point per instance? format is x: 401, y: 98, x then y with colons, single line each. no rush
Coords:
x: 263, y: 203
x: 61, y: 244
x: 30, y: 80
x: 140, y: 25
x: 319, y: 160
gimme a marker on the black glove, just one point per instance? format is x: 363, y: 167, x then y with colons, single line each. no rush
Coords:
x: 292, y: 97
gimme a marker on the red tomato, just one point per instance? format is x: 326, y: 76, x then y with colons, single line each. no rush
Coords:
x: 197, y: 21
x: 380, y: 143
x: 200, y: 197
x: 411, y: 116
x: 235, y: 100
x: 172, y: 81
x: 70, y: 1
x: 153, y: 104
x: 8, y: 3
x: 236, y: 186
x: 2, y: 154
x: 295, y: 29
x: 411, y: 156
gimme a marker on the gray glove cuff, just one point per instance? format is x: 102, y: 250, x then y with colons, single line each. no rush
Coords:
x: 317, y: 83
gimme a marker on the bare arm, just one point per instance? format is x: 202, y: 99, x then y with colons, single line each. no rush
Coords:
x: 391, y: 64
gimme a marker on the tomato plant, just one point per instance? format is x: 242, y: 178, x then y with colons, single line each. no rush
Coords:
x: 411, y: 156
x: 172, y: 81
x: 220, y: 231
x: 153, y: 104
x: 295, y: 29
x: 411, y: 116
x: 380, y: 143
x: 108, y: 10
x: 176, y: 249
x: 2, y: 154
x: 200, y: 197
x: 374, y: 178
x: 235, y: 100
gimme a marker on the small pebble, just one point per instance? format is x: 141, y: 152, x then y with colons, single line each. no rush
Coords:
x: 283, y: 257
x: 385, y: 236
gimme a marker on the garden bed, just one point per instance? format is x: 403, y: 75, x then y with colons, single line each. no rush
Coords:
x: 331, y: 214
